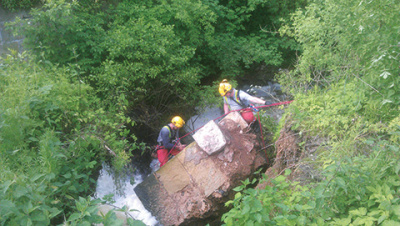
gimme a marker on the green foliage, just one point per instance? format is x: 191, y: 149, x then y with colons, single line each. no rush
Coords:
x: 52, y: 134
x: 352, y: 41
x: 18, y: 4
x: 342, y: 94
x: 269, y: 124
x: 247, y: 33
x: 157, y: 54
x: 394, y: 130
x: 86, y: 212
x: 24, y: 200
x: 358, y: 191
x: 346, y: 89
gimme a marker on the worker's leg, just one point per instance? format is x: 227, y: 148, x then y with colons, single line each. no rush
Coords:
x: 162, y: 155
x: 175, y: 151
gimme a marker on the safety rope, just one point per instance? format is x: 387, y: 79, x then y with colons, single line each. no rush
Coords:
x: 248, y: 108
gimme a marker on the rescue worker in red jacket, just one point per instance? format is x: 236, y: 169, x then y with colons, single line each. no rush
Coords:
x: 168, y: 140
x: 238, y: 99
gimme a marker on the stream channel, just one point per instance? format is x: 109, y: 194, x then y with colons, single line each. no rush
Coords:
x: 125, y: 195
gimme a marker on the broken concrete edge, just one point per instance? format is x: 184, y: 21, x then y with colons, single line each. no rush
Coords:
x: 236, y: 117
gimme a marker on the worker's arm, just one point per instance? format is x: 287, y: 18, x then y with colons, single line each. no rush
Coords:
x: 178, y: 144
x: 256, y: 100
x: 226, y: 108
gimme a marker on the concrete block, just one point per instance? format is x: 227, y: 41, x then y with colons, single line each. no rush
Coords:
x: 192, y: 153
x: 173, y: 175
x: 207, y: 175
x: 210, y: 138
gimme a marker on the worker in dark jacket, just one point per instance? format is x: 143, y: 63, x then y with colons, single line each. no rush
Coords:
x: 168, y: 140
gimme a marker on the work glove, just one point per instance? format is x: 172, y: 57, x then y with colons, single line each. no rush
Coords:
x: 253, y: 108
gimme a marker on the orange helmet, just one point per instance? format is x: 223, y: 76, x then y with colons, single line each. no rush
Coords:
x: 178, y: 121
x: 224, y: 87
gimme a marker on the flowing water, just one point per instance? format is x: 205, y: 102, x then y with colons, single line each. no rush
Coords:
x: 125, y: 196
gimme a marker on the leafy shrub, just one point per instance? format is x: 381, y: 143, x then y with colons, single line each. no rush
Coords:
x: 19, y: 4
x: 351, y: 42
x: 360, y: 190
x: 53, y: 136
x: 146, y: 50
x: 346, y: 90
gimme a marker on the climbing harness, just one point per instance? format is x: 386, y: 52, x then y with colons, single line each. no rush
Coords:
x: 236, y: 99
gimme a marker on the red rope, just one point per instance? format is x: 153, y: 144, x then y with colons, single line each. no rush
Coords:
x: 263, y: 106
x: 275, y: 104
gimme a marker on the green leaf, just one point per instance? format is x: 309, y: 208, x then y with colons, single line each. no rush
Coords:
x: 80, y: 206
x: 284, y: 207
x: 132, y: 222
x: 396, y: 210
x: 321, y: 221
x: 381, y: 219
x: 302, y: 220
x: 228, y: 203
x: 358, y: 212
x: 390, y: 223
x: 238, y: 195
x: 74, y: 217
x: 256, y: 205
x: 240, y: 188
x: 6, y: 185
x: 245, y: 209
x: 33, y: 139
x: 54, y: 212
x: 20, y: 191
x: 36, y: 177
x: 6, y: 204
x: 280, y: 178
x: 258, y: 217
x: 85, y: 223
x: 29, y: 222
x: 341, y: 183
x: 343, y: 221
x: 38, y: 216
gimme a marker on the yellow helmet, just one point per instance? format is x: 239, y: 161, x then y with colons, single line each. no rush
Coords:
x: 178, y: 121
x: 224, y: 87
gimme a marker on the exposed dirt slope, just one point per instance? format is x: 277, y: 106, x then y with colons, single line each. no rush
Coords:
x: 291, y: 155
